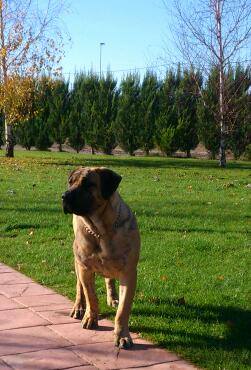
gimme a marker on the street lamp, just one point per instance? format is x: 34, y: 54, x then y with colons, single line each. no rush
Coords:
x: 100, y: 56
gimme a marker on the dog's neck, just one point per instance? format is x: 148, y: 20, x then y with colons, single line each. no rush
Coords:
x: 106, y: 218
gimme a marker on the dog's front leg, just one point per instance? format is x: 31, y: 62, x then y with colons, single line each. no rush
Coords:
x: 77, y: 311
x: 87, y: 279
x: 126, y: 294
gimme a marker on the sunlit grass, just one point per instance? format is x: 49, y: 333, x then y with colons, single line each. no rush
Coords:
x: 194, y: 270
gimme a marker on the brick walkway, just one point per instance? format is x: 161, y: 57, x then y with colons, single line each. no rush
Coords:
x: 37, y: 333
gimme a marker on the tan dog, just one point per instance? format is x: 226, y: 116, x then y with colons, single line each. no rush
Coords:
x: 106, y: 241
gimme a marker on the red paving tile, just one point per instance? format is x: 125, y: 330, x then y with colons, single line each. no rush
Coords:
x: 8, y: 304
x: 45, y: 360
x: 77, y: 335
x: 57, y: 316
x: 175, y: 365
x: 29, y: 340
x: 106, y: 357
x: 82, y: 368
x: 42, y: 336
x: 42, y: 300
x: 8, y: 278
x: 4, y: 366
x: 20, y: 318
x: 5, y: 269
x: 55, y: 307
x: 23, y: 290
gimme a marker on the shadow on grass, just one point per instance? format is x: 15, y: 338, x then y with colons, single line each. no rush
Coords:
x: 21, y: 226
x: 236, y: 320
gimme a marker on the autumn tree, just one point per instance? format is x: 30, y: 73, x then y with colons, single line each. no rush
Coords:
x: 213, y: 34
x: 30, y: 43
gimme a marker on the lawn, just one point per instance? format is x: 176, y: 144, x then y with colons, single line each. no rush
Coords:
x: 193, y: 293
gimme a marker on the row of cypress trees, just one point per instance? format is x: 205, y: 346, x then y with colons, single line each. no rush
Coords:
x: 169, y: 114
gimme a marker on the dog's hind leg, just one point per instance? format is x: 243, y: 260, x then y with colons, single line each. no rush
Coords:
x: 78, y: 309
x: 112, y: 297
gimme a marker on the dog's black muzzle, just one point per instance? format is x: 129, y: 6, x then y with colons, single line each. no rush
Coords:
x: 76, y: 201
x: 67, y: 200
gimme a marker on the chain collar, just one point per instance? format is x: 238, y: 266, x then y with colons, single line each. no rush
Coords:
x: 116, y: 225
x: 91, y: 232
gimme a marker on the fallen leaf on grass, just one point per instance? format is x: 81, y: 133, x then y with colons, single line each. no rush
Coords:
x: 220, y: 277
x: 164, y: 278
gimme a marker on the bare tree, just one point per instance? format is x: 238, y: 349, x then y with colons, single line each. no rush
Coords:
x: 31, y: 43
x: 213, y: 33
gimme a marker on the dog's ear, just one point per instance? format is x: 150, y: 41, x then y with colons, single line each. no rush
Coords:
x: 109, y: 181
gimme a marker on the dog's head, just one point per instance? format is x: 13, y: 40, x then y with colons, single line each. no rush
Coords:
x: 89, y: 188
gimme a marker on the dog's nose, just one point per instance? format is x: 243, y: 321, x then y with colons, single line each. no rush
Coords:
x: 65, y: 195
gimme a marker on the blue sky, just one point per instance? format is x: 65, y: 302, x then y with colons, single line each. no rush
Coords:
x: 134, y: 32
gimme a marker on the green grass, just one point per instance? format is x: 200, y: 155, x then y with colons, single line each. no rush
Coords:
x: 193, y: 218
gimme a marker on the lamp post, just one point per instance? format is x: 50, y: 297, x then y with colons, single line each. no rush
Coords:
x: 100, y: 57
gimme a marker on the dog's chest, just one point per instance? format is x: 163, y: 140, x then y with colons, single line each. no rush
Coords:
x: 106, y: 259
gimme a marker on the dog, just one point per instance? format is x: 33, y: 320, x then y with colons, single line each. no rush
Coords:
x: 107, y: 242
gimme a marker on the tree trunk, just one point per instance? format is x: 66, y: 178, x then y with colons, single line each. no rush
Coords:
x: 188, y: 153
x: 93, y: 152
x: 9, y: 140
x: 60, y: 147
x: 218, y: 17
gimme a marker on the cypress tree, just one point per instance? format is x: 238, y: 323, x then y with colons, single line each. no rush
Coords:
x: 108, y: 106
x: 166, y: 135
x: 186, y: 106
x: 208, y: 106
x: 239, y: 113
x: 59, y: 104
x: 43, y: 139
x: 148, y: 110
x: 127, y: 121
x: 91, y: 111
x: 76, y: 124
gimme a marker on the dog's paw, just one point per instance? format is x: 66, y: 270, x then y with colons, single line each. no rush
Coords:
x: 123, y: 342
x: 112, y: 302
x: 90, y: 321
x: 77, y: 311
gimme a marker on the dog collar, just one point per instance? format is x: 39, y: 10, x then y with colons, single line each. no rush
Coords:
x: 91, y: 232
